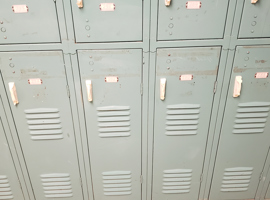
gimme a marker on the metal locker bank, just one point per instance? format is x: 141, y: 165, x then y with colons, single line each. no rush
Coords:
x: 134, y: 100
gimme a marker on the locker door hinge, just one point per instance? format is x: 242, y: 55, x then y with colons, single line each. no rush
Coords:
x: 261, y: 176
x: 141, y: 89
x: 201, y: 178
x: 215, y: 87
x: 81, y: 182
x: 141, y: 179
x: 20, y: 183
x: 68, y: 91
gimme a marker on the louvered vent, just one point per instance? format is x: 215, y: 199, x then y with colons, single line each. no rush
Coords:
x: 56, y: 185
x: 182, y: 119
x: 236, y: 179
x: 251, y: 117
x: 176, y: 181
x: 117, y: 183
x: 5, y: 190
x: 114, y: 121
x: 44, y: 124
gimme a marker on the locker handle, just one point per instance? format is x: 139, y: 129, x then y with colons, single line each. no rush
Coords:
x: 167, y: 3
x: 80, y: 3
x: 237, y: 86
x: 89, y: 90
x: 162, y: 88
x: 13, y: 92
x: 254, y: 1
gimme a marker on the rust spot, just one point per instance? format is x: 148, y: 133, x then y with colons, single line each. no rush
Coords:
x: 239, y: 70
x: 260, y: 61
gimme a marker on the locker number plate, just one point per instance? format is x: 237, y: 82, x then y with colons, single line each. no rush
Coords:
x: 261, y: 75
x: 35, y: 81
x: 111, y: 79
x: 193, y: 5
x: 20, y: 8
x: 186, y: 77
x: 107, y: 6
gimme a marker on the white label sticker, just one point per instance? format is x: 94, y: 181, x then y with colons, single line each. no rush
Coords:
x: 111, y: 79
x: 186, y: 77
x: 261, y: 75
x: 193, y: 5
x: 20, y: 8
x: 35, y: 81
x: 107, y: 6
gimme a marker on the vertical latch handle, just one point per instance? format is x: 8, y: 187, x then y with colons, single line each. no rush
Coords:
x: 89, y: 90
x: 80, y: 3
x: 237, y: 86
x: 13, y: 93
x: 162, y: 88
x: 167, y: 2
x: 254, y: 1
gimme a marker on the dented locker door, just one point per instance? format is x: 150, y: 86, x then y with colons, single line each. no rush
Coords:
x: 28, y: 22
x: 103, y: 21
x: 111, y: 82
x: 9, y: 185
x: 43, y: 120
x: 182, y: 19
x: 244, y: 140
x: 182, y: 119
x: 255, y: 20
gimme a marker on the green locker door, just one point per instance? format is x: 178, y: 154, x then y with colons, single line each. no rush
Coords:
x: 182, y: 119
x: 245, y: 139
x: 9, y: 185
x: 255, y: 20
x: 103, y: 21
x: 44, y: 121
x: 111, y: 82
x: 28, y: 21
x: 183, y: 19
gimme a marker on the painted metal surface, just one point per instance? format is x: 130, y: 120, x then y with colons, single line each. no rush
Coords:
x: 44, y: 122
x: 192, y: 19
x: 115, y: 21
x: 182, y: 120
x: 113, y: 120
x: 9, y: 185
x: 28, y: 22
x: 255, y: 20
x: 244, y: 134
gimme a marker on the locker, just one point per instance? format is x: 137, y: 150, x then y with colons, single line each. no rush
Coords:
x: 37, y: 88
x: 185, y: 79
x: 111, y: 84
x: 255, y: 23
x: 9, y: 185
x: 244, y: 140
x: 182, y: 19
x: 113, y: 21
x: 28, y: 22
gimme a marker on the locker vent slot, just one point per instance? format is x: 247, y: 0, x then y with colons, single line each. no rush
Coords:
x: 176, y: 181
x: 236, y: 179
x: 182, y: 119
x: 5, y: 190
x: 117, y: 183
x: 251, y: 117
x: 113, y: 121
x: 44, y: 124
x: 56, y: 185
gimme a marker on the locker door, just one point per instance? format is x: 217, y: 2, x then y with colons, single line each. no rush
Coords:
x: 255, y: 20
x: 112, y: 103
x: 28, y: 22
x: 182, y: 119
x: 44, y: 121
x: 100, y: 21
x: 244, y: 140
x: 183, y: 19
x: 9, y: 185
